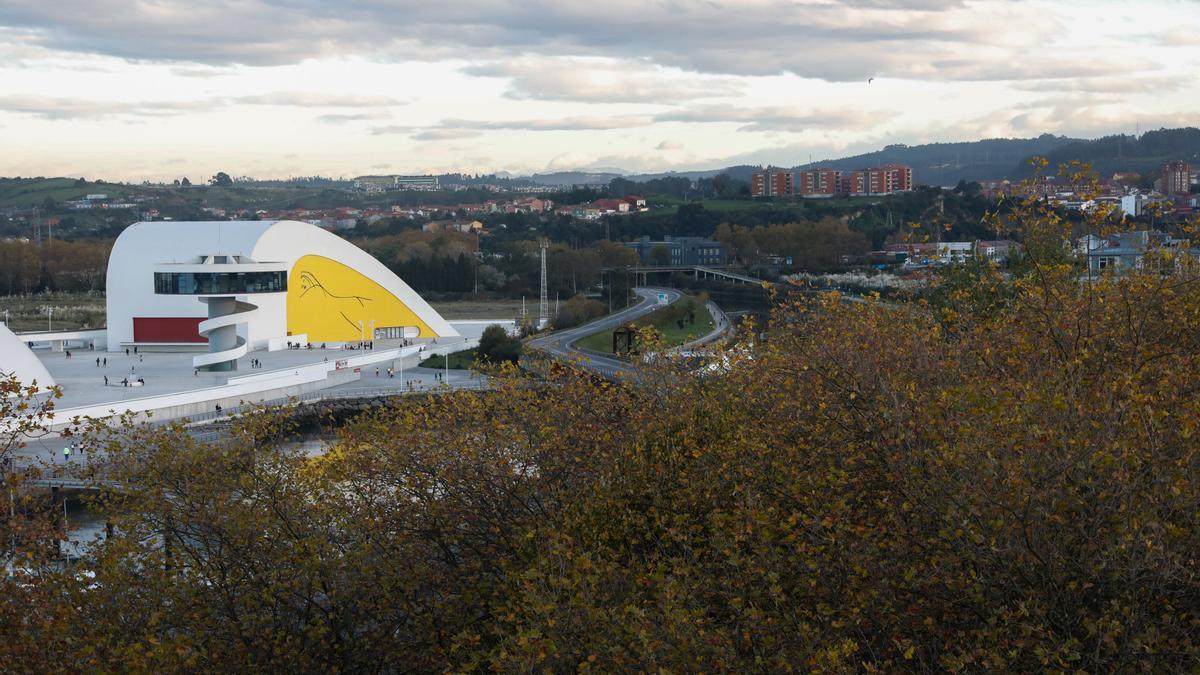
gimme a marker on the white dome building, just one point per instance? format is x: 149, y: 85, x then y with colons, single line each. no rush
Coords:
x: 16, y: 359
x: 241, y: 286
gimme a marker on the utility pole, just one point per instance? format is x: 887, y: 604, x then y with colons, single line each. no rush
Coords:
x: 543, y: 305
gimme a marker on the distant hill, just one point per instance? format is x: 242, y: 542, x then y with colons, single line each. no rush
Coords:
x: 739, y: 172
x: 575, y: 177
x: 29, y: 192
x: 948, y: 163
x: 1143, y: 154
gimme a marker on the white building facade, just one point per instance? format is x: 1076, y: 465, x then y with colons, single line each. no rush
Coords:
x: 284, y: 281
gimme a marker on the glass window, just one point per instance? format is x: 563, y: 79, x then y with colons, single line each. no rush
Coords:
x: 219, y: 283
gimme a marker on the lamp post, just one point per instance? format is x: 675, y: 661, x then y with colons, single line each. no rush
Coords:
x: 49, y: 318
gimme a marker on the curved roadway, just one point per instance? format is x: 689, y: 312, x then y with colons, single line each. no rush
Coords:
x: 560, y: 344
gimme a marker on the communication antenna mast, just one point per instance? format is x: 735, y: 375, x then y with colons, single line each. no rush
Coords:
x: 544, y: 305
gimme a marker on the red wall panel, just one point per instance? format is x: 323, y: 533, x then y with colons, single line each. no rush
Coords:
x: 167, y: 329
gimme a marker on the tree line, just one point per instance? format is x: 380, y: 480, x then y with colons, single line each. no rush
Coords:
x: 56, y: 265
x: 1005, y: 480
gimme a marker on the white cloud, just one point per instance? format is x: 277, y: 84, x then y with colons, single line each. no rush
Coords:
x: 602, y: 80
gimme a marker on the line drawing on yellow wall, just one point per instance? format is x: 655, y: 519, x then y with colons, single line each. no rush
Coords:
x: 331, y: 301
x: 310, y: 282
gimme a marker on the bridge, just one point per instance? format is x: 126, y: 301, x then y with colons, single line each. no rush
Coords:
x: 74, y: 475
x: 59, y: 339
x: 721, y: 272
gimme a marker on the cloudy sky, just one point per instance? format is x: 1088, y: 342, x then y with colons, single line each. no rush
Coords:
x: 159, y: 89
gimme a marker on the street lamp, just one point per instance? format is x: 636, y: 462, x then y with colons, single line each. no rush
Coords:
x: 49, y: 318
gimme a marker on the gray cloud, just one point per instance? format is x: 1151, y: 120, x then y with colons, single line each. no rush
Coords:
x: 1114, y: 84
x: 343, y: 118
x: 444, y: 134
x: 553, y: 124
x: 573, y: 79
x: 57, y: 108
x: 63, y: 108
x: 775, y: 118
x: 314, y: 100
x: 846, y: 40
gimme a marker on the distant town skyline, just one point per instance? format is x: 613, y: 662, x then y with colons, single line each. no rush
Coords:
x: 159, y: 91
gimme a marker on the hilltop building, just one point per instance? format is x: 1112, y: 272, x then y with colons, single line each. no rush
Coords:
x: 884, y: 180
x: 820, y: 182
x: 824, y: 182
x: 381, y: 183
x: 772, y: 183
x: 1176, y: 179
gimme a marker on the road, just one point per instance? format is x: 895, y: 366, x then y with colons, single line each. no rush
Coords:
x: 559, y: 344
x: 721, y: 329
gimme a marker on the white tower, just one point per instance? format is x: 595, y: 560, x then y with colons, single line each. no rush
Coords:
x: 218, y: 281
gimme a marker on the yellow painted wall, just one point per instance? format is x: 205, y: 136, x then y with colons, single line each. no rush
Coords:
x: 326, y: 300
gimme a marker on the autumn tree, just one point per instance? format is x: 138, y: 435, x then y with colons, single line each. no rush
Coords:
x: 997, y: 481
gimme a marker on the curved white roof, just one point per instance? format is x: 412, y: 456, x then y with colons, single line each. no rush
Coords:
x: 142, y: 246
x: 16, y: 358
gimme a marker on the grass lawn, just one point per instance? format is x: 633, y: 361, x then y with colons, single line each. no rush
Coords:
x: 458, y: 360
x: 672, y: 334
x: 70, y: 311
x: 32, y: 192
x: 501, y: 308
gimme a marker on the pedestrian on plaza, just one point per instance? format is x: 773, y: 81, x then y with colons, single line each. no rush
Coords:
x: 376, y: 372
x: 139, y: 359
x: 105, y: 362
x: 106, y: 380
x: 127, y: 351
x: 135, y: 349
x: 66, y: 453
x: 97, y: 361
x: 196, y: 373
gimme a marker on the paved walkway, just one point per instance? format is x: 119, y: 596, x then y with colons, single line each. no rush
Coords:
x: 82, y: 381
x: 721, y: 328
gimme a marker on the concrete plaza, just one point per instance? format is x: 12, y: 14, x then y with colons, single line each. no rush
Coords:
x: 82, y: 380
